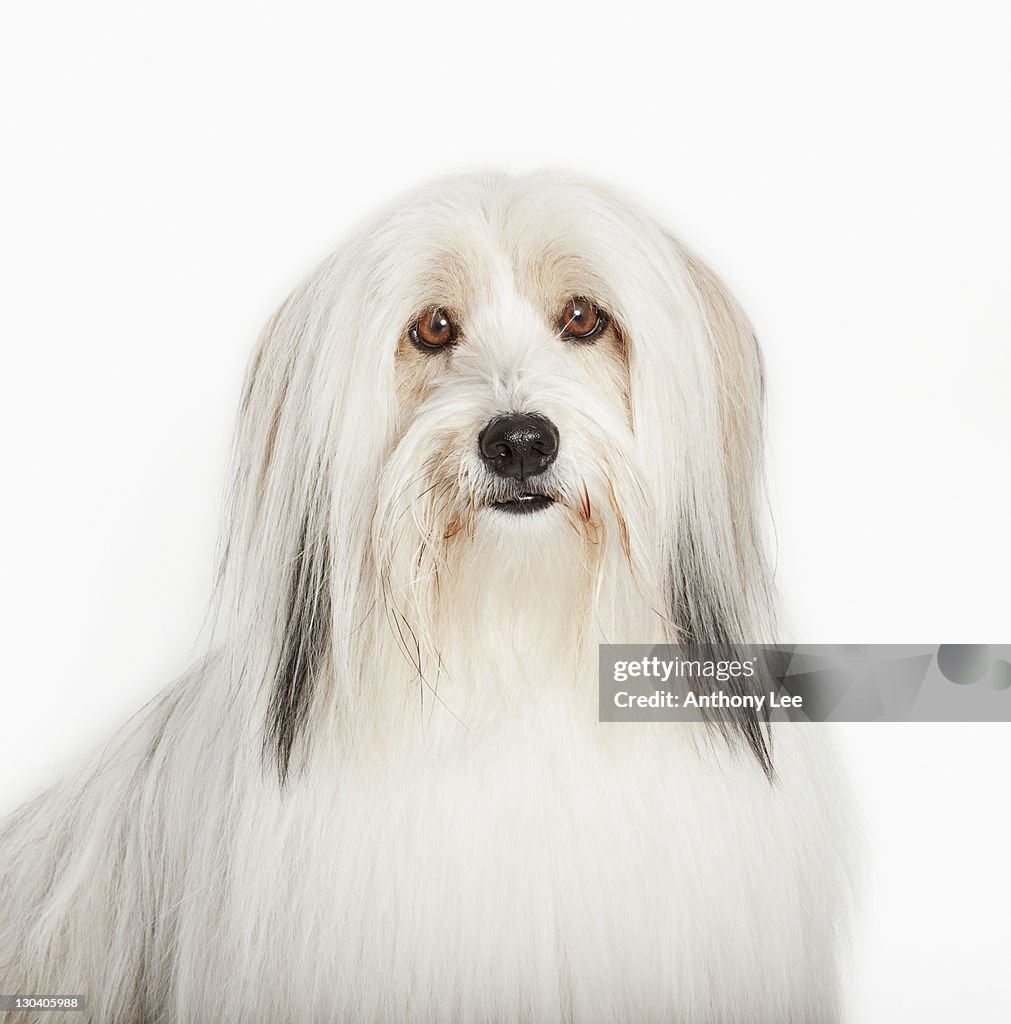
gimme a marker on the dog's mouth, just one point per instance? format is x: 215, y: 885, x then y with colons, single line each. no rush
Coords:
x: 523, y: 504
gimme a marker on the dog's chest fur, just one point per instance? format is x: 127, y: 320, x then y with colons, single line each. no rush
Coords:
x: 544, y: 872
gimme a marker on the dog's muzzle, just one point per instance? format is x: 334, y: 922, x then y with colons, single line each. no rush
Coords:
x: 519, y: 448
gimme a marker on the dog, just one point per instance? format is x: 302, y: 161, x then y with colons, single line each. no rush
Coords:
x: 508, y: 420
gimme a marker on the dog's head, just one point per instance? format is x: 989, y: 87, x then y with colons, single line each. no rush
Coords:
x: 517, y: 406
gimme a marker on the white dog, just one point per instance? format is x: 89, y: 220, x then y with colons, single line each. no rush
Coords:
x: 506, y: 421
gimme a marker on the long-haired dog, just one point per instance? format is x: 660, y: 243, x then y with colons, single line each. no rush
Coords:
x: 508, y: 420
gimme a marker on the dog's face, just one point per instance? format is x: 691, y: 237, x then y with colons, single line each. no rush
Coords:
x: 512, y: 382
x: 508, y: 409
x: 487, y: 380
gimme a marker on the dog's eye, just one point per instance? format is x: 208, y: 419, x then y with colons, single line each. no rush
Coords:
x: 435, y: 329
x: 581, y: 320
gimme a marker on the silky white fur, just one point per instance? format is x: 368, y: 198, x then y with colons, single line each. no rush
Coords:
x: 384, y: 795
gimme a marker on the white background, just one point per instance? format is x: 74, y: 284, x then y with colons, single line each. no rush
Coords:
x: 168, y: 175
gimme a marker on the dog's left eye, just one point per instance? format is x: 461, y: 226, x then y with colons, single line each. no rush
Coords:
x: 434, y: 330
x: 581, y: 320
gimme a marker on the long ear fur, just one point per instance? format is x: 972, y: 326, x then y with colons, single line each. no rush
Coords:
x: 728, y: 600
x: 698, y: 408
x: 279, y: 533
x: 294, y: 509
x: 305, y: 641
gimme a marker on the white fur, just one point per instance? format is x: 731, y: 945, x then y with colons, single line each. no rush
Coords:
x: 454, y: 836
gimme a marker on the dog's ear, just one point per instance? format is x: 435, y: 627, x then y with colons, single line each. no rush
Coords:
x: 738, y: 372
x: 719, y: 583
x: 279, y: 546
x: 294, y: 505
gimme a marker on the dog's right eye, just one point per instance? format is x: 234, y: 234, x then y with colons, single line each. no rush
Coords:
x: 435, y: 330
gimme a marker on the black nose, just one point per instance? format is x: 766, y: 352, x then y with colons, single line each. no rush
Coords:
x: 518, y: 446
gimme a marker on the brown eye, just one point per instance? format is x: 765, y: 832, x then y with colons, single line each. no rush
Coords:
x: 435, y: 329
x: 581, y: 320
